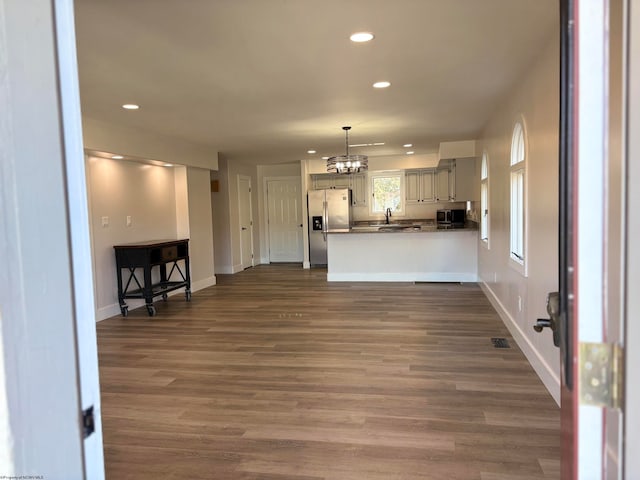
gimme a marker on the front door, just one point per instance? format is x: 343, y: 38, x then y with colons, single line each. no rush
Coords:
x: 285, y: 220
x: 592, y: 230
x: 246, y: 221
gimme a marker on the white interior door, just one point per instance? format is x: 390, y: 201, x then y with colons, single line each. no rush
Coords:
x: 79, y: 236
x: 48, y: 362
x: 631, y: 460
x: 591, y: 419
x: 246, y: 221
x: 285, y: 220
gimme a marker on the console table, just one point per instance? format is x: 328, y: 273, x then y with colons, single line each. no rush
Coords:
x: 145, y: 256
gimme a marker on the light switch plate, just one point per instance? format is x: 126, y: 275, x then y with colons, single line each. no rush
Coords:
x: 105, y: 221
x: 129, y: 220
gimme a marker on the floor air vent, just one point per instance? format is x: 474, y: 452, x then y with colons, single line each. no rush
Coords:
x: 500, y: 343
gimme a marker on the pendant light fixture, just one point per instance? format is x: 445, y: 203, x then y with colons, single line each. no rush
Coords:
x: 347, y: 163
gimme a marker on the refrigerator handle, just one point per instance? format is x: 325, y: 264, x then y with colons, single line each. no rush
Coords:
x: 325, y: 220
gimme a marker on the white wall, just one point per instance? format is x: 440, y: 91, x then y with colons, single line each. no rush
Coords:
x: 220, y: 216
x: 106, y: 137
x: 164, y: 203
x: 226, y: 215
x: 200, y: 228
x: 117, y: 189
x: 536, y: 98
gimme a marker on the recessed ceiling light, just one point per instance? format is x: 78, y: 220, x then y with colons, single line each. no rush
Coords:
x: 311, y: 151
x: 408, y: 145
x: 168, y: 164
x: 361, y: 37
x: 381, y: 84
x: 325, y: 158
x: 117, y: 157
x: 130, y: 106
x: 410, y: 153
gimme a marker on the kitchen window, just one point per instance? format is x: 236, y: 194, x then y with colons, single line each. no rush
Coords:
x: 518, y: 196
x: 484, y: 200
x: 387, y: 191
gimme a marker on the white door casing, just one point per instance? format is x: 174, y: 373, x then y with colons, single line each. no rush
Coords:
x: 597, y: 253
x: 47, y: 325
x: 284, y: 220
x: 79, y: 235
x: 246, y: 221
x: 631, y: 458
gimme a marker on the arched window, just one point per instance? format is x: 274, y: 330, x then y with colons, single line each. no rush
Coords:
x: 518, y: 172
x: 484, y: 199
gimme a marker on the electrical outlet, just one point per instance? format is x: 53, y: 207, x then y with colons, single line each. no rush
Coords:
x: 105, y: 221
x: 129, y: 220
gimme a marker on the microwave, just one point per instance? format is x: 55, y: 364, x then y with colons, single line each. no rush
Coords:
x: 455, y: 216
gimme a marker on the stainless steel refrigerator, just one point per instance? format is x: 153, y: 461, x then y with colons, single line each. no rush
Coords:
x: 329, y: 210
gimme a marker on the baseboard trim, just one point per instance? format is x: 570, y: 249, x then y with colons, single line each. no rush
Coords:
x: 402, y: 277
x: 114, y: 309
x: 224, y: 270
x: 546, y: 374
x: 306, y: 265
x: 204, y: 283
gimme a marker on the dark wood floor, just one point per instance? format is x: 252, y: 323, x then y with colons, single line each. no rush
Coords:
x: 275, y: 374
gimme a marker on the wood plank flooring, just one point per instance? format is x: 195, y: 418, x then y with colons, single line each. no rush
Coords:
x: 275, y: 374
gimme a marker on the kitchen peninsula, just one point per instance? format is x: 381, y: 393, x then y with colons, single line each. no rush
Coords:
x: 424, y: 253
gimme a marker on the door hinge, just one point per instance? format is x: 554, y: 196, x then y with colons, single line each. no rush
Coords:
x: 88, y: 422
x: 601, y: 374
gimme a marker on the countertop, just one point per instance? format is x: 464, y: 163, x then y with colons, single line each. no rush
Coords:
x: 416, y: 226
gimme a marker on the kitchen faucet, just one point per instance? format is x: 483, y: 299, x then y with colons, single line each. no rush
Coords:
x: 387, y: 215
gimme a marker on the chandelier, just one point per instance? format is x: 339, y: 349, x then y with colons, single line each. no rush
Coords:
x: 347, y: 163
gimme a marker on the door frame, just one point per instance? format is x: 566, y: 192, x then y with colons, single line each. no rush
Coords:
x: 631, y: 461
x: 81, y: 243
x: 587, y: 440
x: 265, y: 201
x: 48, y: 348
x: 248, y: 178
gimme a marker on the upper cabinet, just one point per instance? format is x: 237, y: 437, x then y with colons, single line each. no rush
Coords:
x: 320, y: 182
x: 445, y: 184
x: 419, y: 185
x: 456, y: 180
x: 467, y: 184
x: 359, y: 187
x: 357, y: 182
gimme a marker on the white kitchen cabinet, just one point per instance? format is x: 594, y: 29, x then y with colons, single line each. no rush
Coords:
x: 419, y: 185
x: 357, y: 182
x: 359, y: 186
x: 445, y: 184
x: 467, y: 187
x: 323, y: 181
x: 330, y: 180
x: 412, y: 186
x: 342, y: 181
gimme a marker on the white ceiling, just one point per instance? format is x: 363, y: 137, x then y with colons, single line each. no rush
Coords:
x: 263, y: 81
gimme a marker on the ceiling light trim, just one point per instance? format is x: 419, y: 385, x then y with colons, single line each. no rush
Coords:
x: 361, y: 37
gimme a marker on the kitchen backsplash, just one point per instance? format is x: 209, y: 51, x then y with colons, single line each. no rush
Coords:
x: 412, y: 210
